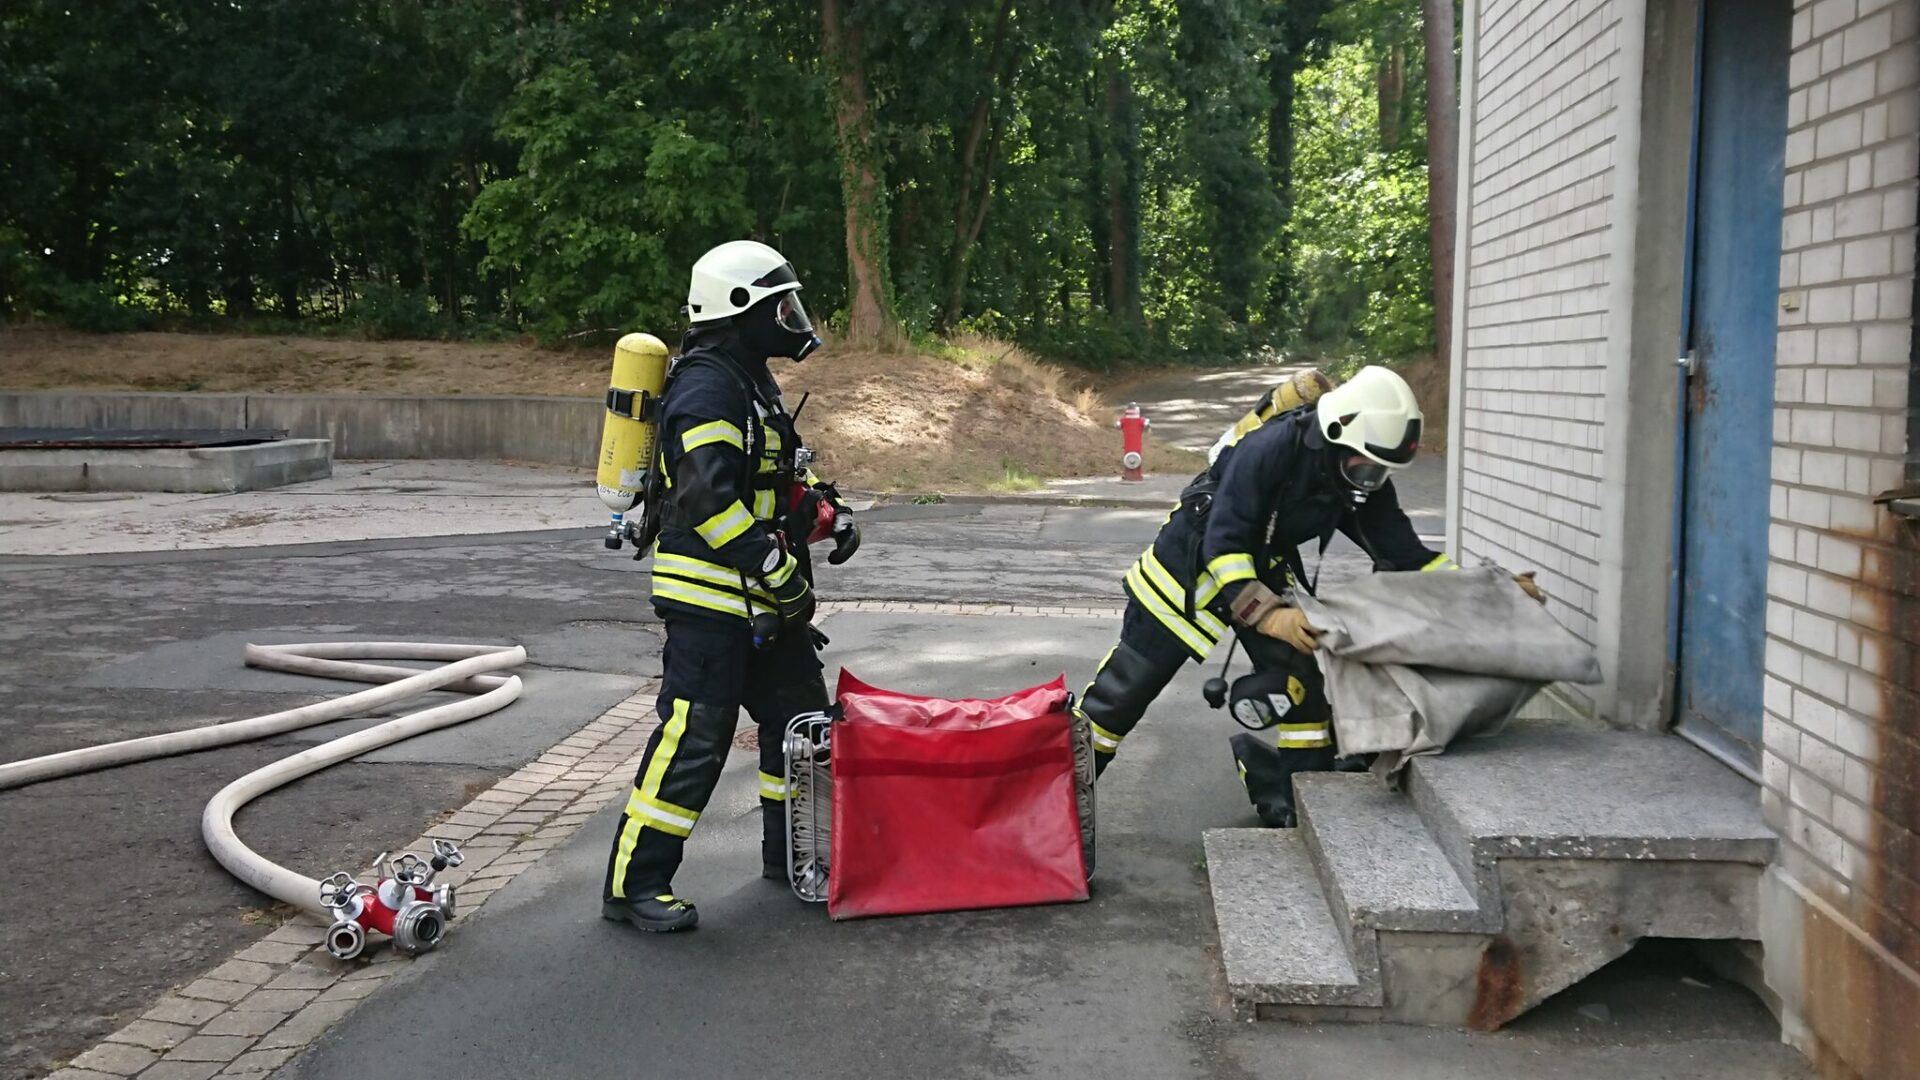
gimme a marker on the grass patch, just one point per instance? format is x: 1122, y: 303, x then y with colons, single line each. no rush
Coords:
x: 1015, y: 477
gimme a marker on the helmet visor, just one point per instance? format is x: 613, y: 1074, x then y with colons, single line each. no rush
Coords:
x: 791, y: 315
x: 1362, y: 473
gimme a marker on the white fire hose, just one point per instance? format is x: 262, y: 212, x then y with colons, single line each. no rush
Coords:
x: 463, y: 672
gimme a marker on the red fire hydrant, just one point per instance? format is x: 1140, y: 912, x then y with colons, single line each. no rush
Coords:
x: 1133, y: 443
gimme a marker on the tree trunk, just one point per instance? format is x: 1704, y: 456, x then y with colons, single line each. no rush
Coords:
x: 870, y: 318
x: 1282, y: 65
x: 1098, y: 204
x: 1443, y: 146
x: 1123, y: 196
x: 1392, y: 93
x: 968, y: 214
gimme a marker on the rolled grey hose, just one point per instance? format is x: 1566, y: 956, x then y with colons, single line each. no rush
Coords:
x: 471, y: 660
x: 216, y: 821
x: 464, y: 672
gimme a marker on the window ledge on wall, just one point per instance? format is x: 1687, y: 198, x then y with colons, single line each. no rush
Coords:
x: 1902, y: 501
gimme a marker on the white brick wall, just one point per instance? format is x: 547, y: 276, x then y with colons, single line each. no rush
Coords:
x: 1541, y: 171
x: 1836, y: 659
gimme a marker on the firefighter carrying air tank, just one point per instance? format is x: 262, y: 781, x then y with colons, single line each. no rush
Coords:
x: 734, y: 505
x: 1309, y: 460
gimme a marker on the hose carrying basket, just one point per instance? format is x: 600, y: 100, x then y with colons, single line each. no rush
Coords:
x: 902, y: 804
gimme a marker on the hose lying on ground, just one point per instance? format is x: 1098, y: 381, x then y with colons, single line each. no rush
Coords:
x: 463, y: 672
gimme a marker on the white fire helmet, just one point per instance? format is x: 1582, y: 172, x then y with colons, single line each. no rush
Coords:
x: 1374, y: 423
x: 739, y: 274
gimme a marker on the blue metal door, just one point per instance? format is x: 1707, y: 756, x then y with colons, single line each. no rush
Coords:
x: 1727, y: 399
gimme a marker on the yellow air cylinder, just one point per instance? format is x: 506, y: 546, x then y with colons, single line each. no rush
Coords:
x: 627, y: 437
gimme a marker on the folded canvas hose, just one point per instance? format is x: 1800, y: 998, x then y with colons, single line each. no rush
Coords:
x: 1415, y: 660
x: 464, y: 671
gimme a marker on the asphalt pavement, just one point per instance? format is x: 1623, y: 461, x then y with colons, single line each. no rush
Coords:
x: 114, y: 898
x: 110, y: 893
x: 1126, y: 985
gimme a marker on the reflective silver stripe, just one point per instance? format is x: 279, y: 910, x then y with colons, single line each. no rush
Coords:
x: 1169, y: 588
x: 674, y: 821
x: 1173, y: 621
x: 1220, y: 573
x: 708, y: 573
x: 720, y: 529
x: 782, y: 572
x: 667, y: 588
x: 716, y: 432
x: 1316, y: 737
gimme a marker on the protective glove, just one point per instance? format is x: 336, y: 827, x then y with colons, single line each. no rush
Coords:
x: 1289, y: 624
x: 1530, y: 587
x: 846, y: 536
x: 791, y: 593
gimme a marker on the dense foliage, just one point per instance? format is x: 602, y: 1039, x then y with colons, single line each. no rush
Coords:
x: 1099, y: 179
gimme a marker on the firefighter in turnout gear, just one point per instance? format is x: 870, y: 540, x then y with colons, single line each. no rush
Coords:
x: 732, y: 581
x: 1228, y: 556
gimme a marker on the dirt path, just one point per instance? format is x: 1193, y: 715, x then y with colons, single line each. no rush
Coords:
x: 1189, y: 410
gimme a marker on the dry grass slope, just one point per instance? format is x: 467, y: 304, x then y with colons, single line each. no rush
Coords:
x: 981, y: 415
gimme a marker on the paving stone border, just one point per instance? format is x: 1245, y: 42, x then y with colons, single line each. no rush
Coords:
x: 253, y: 1013
x: 926, y: 607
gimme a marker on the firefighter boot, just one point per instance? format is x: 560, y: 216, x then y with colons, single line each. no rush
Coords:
x: 773, y: 840
x: 662, y: 914
x: 1268, y: 775
x: 1118, y: 696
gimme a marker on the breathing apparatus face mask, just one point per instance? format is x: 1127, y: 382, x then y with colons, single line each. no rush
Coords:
x: 779, y: 326
x: 1359, y: 475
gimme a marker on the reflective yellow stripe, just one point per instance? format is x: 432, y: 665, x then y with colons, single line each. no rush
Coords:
x: 721, y: 528
x: 773, y: 787
x: 1103, y: 740
x: 1163, y: 579
x: 1242, y: 767
x: 1176, y: 596
x: 1190, y: 635
x: 763, y: 505
x: 715, y: 432
x: 726, y: 577
x: 662, y: 815
x: 1302, y: 735
x: 1220, y: 573
x: 782, y: 572
x: 685, y: 592
x: 1440, y: 562
x: 648, y: 789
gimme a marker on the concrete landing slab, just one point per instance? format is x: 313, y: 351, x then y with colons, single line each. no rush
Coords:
x: 1384, y: 869
x: 206, y: 469
x: 1550, y: 792
x: 1279, y: 942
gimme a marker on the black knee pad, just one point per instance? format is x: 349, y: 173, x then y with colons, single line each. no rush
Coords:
x: 1276, y: 695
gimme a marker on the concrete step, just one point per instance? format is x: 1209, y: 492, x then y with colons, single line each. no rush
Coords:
x: 1543, y: 791
x: 1381, y: 868
x: 1279, y: 942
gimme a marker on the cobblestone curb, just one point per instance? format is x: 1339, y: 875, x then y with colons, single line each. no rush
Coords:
x: 1097, y: 609
x: 253, y: 1013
